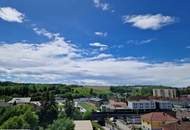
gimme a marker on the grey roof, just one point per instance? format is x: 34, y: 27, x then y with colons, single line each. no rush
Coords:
x: 96, y: 99
x: 20, y: 100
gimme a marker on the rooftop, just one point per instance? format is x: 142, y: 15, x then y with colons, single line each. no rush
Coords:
x: 158, y: 116
x: 83, y: 125
x: 96, y: 99
x: 20, y: 100
x: 118, y: 104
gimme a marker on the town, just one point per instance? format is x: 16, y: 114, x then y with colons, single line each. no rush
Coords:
x: 94, y: 65
x: 72, y: 107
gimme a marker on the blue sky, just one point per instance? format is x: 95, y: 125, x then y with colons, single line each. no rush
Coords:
x: 95, y: 42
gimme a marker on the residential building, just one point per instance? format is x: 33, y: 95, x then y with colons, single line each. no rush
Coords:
x: 150, y: 104
x: 155, y: 120
x: 164, y: 93
x: 59, y: 99
x: 142, y: 104
x: 114, y: 105
x: 163, y: 105
x: 83, y: 125
x: 96, y: 101
x: 81, y: 99
x: 182, y: 101
x: 177, y: 126
x: 25, y: 100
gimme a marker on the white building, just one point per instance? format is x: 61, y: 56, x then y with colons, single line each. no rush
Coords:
x: 141, y: 104
x: 25, y: 100
x: 150, y: 104
x: 164, y: 93
x: 166, y: 105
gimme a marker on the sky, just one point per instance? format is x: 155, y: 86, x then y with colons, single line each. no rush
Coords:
x: 95, y: 42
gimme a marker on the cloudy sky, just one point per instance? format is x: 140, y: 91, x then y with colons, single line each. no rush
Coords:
x: 95, y: 42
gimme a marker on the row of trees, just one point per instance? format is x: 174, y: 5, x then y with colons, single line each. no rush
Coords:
x: 18, y: 117
x: 40, y: 91
x: 26, y: 117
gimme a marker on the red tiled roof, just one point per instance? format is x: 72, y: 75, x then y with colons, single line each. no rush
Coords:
x: 118, y: 104
x: 158, y: 116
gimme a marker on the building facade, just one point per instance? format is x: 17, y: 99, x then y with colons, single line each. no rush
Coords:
x: 164, y: 93
x: 150, y: 104
x: 142, y: 104
x: 23, y: 100
x: 163, y: 105
x: 155, y: 120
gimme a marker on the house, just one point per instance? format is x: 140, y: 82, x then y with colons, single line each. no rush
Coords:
x: 25, y: 100
x: 164, y: 93
x: 141, y: 105
x: 81, y: 99
x: 97, y: 101
x: 155, y: 120
x: 177, y: 126
x: 59, y: 100
x: 83, y: 125
x: 114, y: 105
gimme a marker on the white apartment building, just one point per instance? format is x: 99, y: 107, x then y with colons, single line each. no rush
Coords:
x: 166, y: 105
x: 142, y: 104
x: 165, y: 93
x: 150, y: 104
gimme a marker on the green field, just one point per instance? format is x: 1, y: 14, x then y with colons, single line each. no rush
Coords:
x: 89, y: 107
x: 86, y: 91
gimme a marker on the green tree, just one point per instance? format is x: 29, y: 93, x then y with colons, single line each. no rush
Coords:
x: 31, y: 118
x: 16, y: 122
x: 62, y: 124
x: 69, y: 107
x: 48, y: 113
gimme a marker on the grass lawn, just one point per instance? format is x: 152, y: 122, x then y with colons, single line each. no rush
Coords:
x: 88, y: 106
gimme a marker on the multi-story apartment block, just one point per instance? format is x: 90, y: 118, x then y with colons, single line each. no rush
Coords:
x: 142, y: 104
x: 165, y: 93
x: 164, y: 105
x: 150, y: 104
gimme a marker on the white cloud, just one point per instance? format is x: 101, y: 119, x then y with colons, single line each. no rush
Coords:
x: 44, y: 32
x: 100, y: 56
x: 11, y: 15
x: 58, y: 61
x: 103, y: 34
x: 101, y: 5
x: 99, y: 45
x: 149, y: 21
x: 138, y: 42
